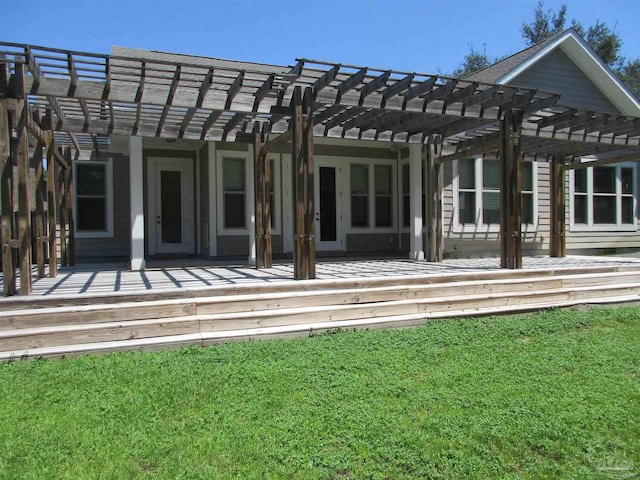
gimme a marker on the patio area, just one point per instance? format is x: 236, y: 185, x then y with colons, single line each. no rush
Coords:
x: 168, y: 275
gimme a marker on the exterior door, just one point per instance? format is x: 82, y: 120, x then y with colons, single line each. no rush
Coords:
x: 328, y: 206
x: 171, y: 228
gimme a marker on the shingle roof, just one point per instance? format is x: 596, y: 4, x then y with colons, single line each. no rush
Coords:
x: 493, y: 72
x: 196, y: 60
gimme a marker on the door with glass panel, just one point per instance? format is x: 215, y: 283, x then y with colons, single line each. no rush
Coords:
x: 171, y: 228
x: 327, y: 199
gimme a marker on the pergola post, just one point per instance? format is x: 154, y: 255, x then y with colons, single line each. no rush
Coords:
x: 415, y: 206
x: 307, y: 140
x: 39, y: 214
x: 557, y: 247
x: 62, y: 212
x: 262, y: 182
x: 511, y: 189
x: 434, y: 200
x: 6, y: 200
x: 71, y: 240
x: 302, y: 158
x: 52, y: 215
x: 20, y: 151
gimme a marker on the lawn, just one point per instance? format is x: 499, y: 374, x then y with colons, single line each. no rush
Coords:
x: 549, y: 395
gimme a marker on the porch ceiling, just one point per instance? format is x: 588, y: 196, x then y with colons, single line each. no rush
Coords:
x: 91, y: 96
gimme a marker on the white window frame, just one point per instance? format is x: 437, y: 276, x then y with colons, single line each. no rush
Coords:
x: 609, y: 227
x: 480, y: 227
x: 108, y: 233
x: 275, y: 179
x: 371, y: 228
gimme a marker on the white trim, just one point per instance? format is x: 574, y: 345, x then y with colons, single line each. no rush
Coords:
x: 220, y: 156
x: 346, y: 162
x: 136, y: 181
x: 108, y: 233
x: 251, y: 206
x: 479, y: 227
x: 185, y: 166
x: 585, y: 58
x: 416, y: 251
x: 340, y: 243
x: 590, y: 226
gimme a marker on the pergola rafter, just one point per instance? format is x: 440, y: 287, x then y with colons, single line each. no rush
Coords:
x: 89, y: 97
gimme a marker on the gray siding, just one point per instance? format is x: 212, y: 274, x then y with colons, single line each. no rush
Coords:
x: 557, y: 73
x: 372, y: 242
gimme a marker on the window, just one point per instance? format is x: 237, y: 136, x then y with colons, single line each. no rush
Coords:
x: 604, y: 196
x: 93, y: 187
x: 359, y: 195
x: 478, y: 192
x: 383, y: 192
x: 234, y: 193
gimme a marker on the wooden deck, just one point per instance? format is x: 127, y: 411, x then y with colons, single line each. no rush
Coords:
x: 168, y: 275
x: 104, y: 309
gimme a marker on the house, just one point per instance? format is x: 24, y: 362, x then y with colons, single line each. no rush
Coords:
x: 166, y: 157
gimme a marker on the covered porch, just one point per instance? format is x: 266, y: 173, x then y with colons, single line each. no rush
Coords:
x: 64, y: 102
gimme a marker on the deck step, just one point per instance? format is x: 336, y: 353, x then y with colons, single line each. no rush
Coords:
x: 253, y: 302
x: 289, y: 330
x: 461, y: 301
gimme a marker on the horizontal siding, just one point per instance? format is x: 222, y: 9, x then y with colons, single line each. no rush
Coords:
x: 372, y: 242
x: 557, y: 73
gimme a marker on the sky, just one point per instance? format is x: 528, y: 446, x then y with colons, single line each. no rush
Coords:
x: 427, y: 36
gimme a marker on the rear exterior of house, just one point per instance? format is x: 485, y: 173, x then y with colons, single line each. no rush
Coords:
x: 197, y: 197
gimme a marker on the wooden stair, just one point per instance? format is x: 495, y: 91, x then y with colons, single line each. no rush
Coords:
x: 60, y: 326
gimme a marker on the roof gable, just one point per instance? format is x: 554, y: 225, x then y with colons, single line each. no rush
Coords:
x: 605, y: 80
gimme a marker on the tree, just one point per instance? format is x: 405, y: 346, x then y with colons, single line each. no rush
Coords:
x: 605, y: 42
x: 473, y: 61
x: 545, y: 24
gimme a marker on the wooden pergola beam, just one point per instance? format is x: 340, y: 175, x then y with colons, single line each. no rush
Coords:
x: 373, y: 85
x: 175, y: 81
x: 601, y: 162
x: 234, y: 88
x: 350, y: 83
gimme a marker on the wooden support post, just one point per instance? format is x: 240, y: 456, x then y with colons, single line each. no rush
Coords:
x: 259, y: 187
x: 307, y: 152
x: 62, y: 213
x: 6, y: 200
x: 268, y: 249
x: 39, y: 214
x: 20, y: 151
x: 299, y: 240
x: 434, y: 199
x: 52, y: 230
x: 557, y: 246
x: 71, y: 240
x: 511, y: 190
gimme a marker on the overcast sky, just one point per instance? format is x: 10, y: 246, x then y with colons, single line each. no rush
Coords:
x: 410, y: 35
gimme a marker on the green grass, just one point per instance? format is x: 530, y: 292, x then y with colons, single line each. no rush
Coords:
x: 550, y: 395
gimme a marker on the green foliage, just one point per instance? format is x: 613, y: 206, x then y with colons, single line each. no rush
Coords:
x: 473, y: 61
x: 550, y: 395
x: 629, y: 73
x: 605, y: 42
x: 545, y: 23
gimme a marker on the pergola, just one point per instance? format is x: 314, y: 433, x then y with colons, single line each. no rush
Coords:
x: 61, y: 102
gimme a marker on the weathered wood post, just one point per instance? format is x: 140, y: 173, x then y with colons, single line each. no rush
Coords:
x: 52, y: 233
x: 6, y: 198
x: 434, y: 199
x: 511, y: 189
x: 557, y: 242
x: 68, y: 184
x: 307, y: 139
x: 39, y: 215
x: 20, y: 152
x: 259, y: 187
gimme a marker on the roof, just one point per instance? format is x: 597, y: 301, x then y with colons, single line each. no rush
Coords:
x: 155, y: 55
x: 573, y: 45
